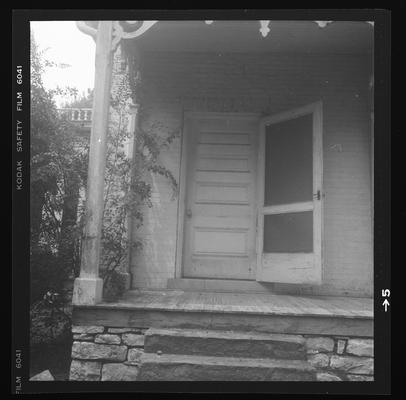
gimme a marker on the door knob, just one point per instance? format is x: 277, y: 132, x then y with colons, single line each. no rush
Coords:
x: 189, y: 213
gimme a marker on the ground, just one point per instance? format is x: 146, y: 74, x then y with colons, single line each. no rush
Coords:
x: 56, y: 358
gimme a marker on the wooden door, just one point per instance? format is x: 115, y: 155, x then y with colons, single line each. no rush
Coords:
x: 220, y: 208
x: 290, y: 197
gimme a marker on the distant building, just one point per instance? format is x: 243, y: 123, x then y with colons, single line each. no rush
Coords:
x: 80, y: 117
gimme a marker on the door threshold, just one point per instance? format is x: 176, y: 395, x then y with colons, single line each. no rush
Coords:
x: 219, y: 285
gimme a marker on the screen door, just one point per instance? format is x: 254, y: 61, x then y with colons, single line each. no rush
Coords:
x: 290, y: 197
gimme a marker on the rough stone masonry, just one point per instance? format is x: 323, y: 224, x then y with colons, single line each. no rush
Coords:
x: 114, y: 354
x: 106, y: 354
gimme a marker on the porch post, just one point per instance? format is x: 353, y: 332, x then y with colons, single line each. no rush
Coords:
x: 89, y: 286
x: 132, y: 127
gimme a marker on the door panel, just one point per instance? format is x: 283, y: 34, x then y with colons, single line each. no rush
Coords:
x: 220, y: 241
x: 220, y: 207
x: 288, y: 268
x: 219, y: 267
x: 207, y: 192
x: 290, y: 197
x: 223, y: 163
x: 223, y: 149
x: 225, y: 138
x: 223, y: 177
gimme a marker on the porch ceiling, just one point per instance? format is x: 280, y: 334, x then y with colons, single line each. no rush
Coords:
x: 339, y: 37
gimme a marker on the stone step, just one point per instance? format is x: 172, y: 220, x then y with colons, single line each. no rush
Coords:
x: 178, y: 367
x: 224, y: 343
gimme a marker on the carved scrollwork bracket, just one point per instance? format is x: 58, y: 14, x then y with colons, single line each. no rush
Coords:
x: 118, y: 32
x: 140, y: 27
x: 87, y: 29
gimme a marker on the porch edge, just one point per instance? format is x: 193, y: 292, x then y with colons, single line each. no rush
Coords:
x: 108, y: 315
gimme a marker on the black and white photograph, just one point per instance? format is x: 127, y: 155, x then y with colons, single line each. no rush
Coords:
x: 200, y: 200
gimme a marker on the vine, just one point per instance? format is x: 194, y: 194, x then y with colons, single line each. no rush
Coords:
x: 127, y: 191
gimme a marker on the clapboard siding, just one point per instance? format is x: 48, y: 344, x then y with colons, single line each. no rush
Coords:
x: 267, y: 84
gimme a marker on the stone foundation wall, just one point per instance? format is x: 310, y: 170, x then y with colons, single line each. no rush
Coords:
x: 113, y: 354
x: 106, y: 354
x: 338, y: 358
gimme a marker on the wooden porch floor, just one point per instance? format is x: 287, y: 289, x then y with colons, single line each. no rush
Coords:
x: 248, y: 303
x: 258, y: 312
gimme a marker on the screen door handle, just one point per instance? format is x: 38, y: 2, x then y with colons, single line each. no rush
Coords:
x: 189, y: 213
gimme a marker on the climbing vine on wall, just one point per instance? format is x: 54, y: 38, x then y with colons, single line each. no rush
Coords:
x: 127, y: 190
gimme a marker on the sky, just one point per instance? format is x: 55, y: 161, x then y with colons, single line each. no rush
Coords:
x: 66, y: 44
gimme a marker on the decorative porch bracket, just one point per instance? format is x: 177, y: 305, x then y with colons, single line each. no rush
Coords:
x: 88, y: 287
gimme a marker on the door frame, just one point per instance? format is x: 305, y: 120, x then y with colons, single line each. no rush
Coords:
x: 316, y: 109
x: 186, y: 153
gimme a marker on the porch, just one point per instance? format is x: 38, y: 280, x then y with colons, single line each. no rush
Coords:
x: 207, y: 336
x: 210, y: 266
x: 228, y: 222
x: 261, y: 312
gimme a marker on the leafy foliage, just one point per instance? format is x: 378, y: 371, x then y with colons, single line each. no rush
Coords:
x: 58, y: 170
x: 59, y: 159
x: 84, y: 100
x: 126, y: 190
